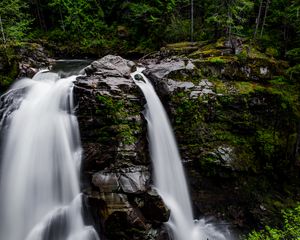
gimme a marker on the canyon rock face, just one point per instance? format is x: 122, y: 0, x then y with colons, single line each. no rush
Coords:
x: 115, y: 171
x: 22, y: 60
x: 238, y: 135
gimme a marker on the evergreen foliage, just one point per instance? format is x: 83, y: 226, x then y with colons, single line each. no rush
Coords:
x: 138, y: 27
x: 14, y: 21
x: 144, y: 26
x: 289, y: 230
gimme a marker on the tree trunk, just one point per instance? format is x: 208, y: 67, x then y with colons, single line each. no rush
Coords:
x: 285, y: 37
x: 62, y: 20
x: 192, y: 20
x: 265, y: 17
x: 40, y: 15
x: 258, y: 18
x: 2, y: 31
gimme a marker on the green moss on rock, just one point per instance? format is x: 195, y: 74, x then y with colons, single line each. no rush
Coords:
x: 118, y: 114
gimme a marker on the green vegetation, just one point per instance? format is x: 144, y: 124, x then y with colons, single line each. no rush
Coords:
x: 258, y: 122
x: 236, y: 45
x: 117, y: 124
x: 137, y: 27
x: 290, y: 228
x: 14, y: 20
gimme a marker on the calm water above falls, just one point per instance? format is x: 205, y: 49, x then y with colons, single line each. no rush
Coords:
x: 40, y: 160
x: 169, y: 177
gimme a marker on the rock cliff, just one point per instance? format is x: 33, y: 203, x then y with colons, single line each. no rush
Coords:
x: 116, y: 167
x: 236, y: 119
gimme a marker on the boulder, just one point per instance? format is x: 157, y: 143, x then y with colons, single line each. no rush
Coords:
x: 126, y: 180
x: 115, y: 165
x: 152, y: 207
x: 233, y: 123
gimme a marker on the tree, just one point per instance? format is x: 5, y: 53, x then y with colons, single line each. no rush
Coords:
x: 258, y: 18
x: 293, y: 16
x: 265, y: 17
x: 81, y: 21
x: 15, y: 21
x: 290, y: 229
x: 229, y: 16
x: 2, y: 31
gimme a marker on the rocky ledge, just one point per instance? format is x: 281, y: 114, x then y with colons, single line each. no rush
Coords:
x: 116, y: 168
x: 22, y: 60
x: 238, y: 136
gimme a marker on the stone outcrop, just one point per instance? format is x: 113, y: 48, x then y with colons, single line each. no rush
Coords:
x: 116, y: 173
x: 236, y: 119
x: 21, y: 61
x: 237, y: 134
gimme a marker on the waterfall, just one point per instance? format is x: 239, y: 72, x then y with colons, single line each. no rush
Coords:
x: 41, y: 153
x: 169, y: 177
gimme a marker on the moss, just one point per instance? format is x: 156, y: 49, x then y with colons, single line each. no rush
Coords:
x: 208, y: 47
x: 5, y: 82
x: 217, y: 60
x: 117, y: 120
x: 272, y: 52
x: 248, y: 87
x: 268, y: 141
x: 294, y: 72
x: 220, y: 42
x: 288, y: 96
x: 179, y: 45
x: 253, y: 53
x: 10, y: 56
x: 9, y: 60
x: 256, y: 116
x: 205, y: 53
x: 193, y: 76
x: 126, y: 134
x: 220, y: 86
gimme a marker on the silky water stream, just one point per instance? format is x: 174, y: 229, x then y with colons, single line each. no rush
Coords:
x: 40, y: 160
x: 169, y: 176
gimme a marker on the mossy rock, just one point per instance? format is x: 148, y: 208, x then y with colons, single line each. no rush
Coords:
x: 9, y: 66
x: 205, y: 53
x: 118, y: 116
x: 181, y: 48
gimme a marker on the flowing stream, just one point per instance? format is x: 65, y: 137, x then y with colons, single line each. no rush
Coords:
x: 169, y: 177
x: 40, y: 159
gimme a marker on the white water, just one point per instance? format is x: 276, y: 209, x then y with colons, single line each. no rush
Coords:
x: 41, y: 153
x: 169, y: 177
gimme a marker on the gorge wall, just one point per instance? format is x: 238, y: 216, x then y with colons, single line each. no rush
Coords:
x: 236, y: 119
x: 236, y: 124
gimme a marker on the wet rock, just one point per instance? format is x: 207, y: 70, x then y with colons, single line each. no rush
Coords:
x: 127, y: 180
x: 113, y: 130
x: 174, y: 75
x: 33, y: 58
x: 111, y: 66
x: 21, y: 61
x: 224, y: 156
x: 110, y: 115
x: 152, y: 207
x: 139, y: 77
x: 171, y: 74
x: 164, y: 68
x: 226, y: 123
x: 109, y: 76
x: 120, y: 225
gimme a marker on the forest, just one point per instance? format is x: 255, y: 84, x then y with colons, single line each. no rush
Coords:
x: 135, y: 28
x: 144, y: 26
x: 245, y: 52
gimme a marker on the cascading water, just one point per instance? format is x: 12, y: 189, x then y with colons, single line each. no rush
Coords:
x: 41, y: 153
x: 169, y: 177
